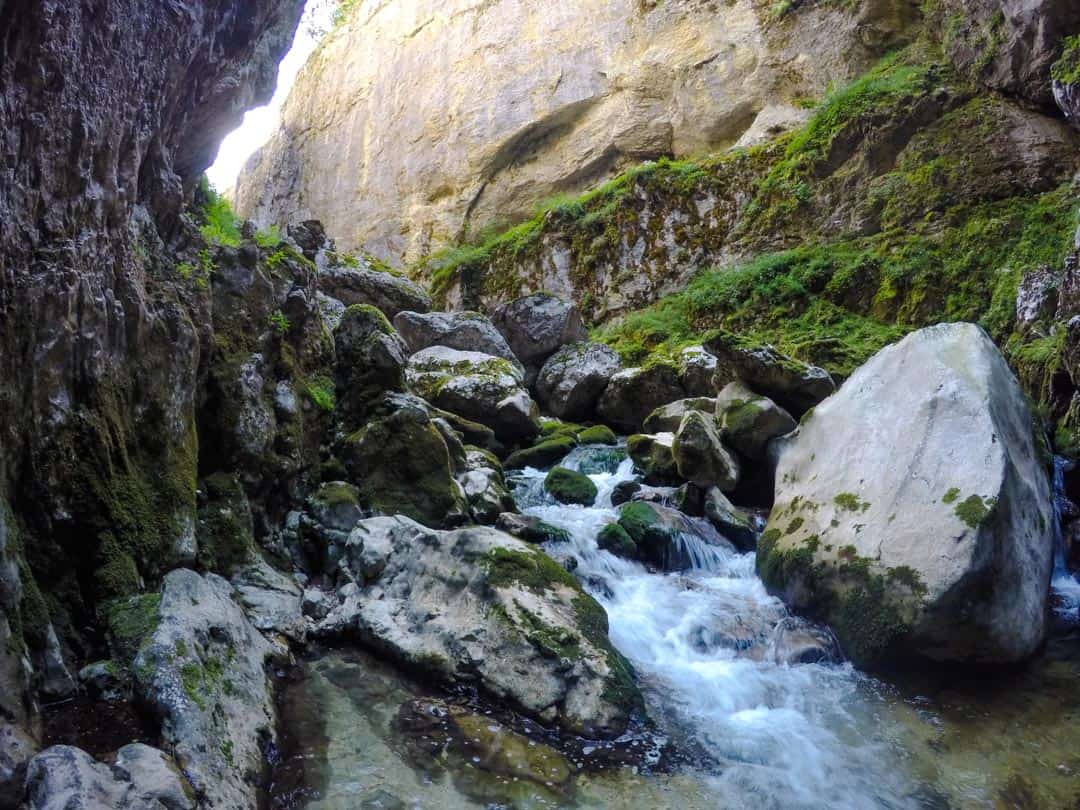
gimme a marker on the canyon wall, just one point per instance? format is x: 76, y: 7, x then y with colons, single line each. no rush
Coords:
x: 420, y: 121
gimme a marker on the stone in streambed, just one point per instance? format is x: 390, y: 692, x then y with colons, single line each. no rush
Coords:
x: 748, y: 422
x: 570, y: 487
x: 633, y: 394
x: 667, y: 418
x: 700, y: 456
x: 530, y: 528
x: 571, y: 381
x: 653, y: 456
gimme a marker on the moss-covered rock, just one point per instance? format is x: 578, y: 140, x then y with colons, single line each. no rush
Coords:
x: 370, y: 360
x: 542, y: 454
x: 598, y: 434
x: 653, y: 456
x: 401, y: 465
x: 570, y: 486
x: 614, y: 538
x: 226, y: 534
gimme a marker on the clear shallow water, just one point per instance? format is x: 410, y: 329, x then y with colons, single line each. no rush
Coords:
x: 763, y: 735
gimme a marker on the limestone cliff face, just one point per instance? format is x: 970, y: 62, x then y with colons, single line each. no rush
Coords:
x: 421, y: 120
x: 111, y: 110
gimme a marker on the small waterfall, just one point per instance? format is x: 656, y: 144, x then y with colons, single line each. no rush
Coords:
x: 1066, y: 587
x: 704, y: 640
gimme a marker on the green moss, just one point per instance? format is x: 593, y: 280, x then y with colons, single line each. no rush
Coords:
x: 542, y: 454
x: 555, y: 642
x: 268, y: 238
x: 320, y: 391
x: 220, y: 224
x: 850, y: 501
x: 116, y: 575
x: 598, y: 434
x: 528, y: 569
x: 570, y: 486
x: 337, y: 493
x: 1066, y: 70
x: 278, y: 323
x: 226, y: 536
x: 617, y: 540
x: 637, y: 520
x: 130, y: 621
x: 794, y: 526
x: 951, y: 495
x: 973, y: 511
x: 619, y: 686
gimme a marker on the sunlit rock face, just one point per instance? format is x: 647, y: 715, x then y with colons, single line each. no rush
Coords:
x: 420, y: 120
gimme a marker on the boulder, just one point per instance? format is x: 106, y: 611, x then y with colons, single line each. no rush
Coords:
x: 927, y: 530
x: 387, y: 292
x: 700, y: 456
x: 667, y: 418
x: 271, y: 599
x: 467, y: 331
x: 624, y: 491
x: 370, y: 360
x: 731, y: 521
x: 401, y: 464
x: 697, y: 371
x: 598, y: 434
x: 542, y: 454
x: 748, y: 422
x: 632, y: 394
x: 614, y: 538
x: 666, y: 538
x: 536, y: 326
x: 795, y: 386
x: 143, y: 778
x: 484, y: 487
x: 797, y: 641
x: 477, y: 605
x: 479, y: 387
x: 570, y: 486
x: 530, y: 528
x: 202, y: 672
x: 105, y: 680
x: 17, y: 748
x: 571, y: 381
x: 653, y: 456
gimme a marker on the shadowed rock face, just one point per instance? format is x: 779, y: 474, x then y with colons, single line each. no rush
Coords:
x: 111, y: 110
x: 420, y: 118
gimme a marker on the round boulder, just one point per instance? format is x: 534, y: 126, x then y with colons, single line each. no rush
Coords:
x: 572, y: 380
x: 536, y: 326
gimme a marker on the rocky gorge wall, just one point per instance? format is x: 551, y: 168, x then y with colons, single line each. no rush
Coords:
x: 112, y: 109
x: 419, y: 122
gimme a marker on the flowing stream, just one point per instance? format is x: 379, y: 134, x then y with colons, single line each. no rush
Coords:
x: 765, y: 734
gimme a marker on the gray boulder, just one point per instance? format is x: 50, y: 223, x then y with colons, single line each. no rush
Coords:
x: 572, y: 380
x: 143, y: 778
x: 389, y: 293
x: 467, y: 331
x: 797, y: 641
x: 536, y: 326
x: 478, y: 387
x: 748, y: 422
x: 728, y: 519
x: 479, y: 605
x: 795, y: 386
x: 484, y: 487
x: 271, y: 599
x: 633, y: 394
x: 700, y: 456
x: 17, y: 748
x: 912, y: 513
x: 697, y: 371
x: 203, y: 674
x: 370, y: 360
x: 653, y: 455
x: 667, y: 418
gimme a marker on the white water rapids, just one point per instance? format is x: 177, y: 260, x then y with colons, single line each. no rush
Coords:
x: 783, y: 736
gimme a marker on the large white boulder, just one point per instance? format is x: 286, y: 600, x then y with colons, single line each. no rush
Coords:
x: 912, y: 512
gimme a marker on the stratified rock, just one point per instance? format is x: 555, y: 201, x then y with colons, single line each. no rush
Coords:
x: 401, y: 464
x: 697, y: 370
x: 203, y: 674
x: 571, y: 381
x: 633, y: 394
x: 143, y: 778
x: 386, y: 292
x: 729, y: 520
x: 476, y: 386
x: 795, y: 386
x: 467, y: 331
x: 926, y: 531
x: 667, y: 418
x: 370, y: 360
x: 700, y: 456
x: 479, y: 605
x: 748, y: 422
x: 536, y: 326
x: 653, y: 456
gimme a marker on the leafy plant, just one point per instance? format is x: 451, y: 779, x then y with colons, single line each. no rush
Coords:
x: 279, y: 323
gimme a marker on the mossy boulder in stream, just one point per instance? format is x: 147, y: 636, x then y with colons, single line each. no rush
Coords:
x: 570, y: 486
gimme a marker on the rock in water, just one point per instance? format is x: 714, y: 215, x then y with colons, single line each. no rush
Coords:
x: 572, y: 380
x: 699, y: 455
x: 203, y: 674
x: 912, y: 513
x: 479, y: 605
x: 748, y: 422
x: 633, y: 394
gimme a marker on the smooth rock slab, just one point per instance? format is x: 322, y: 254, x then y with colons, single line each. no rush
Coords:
x: 912, y: 513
